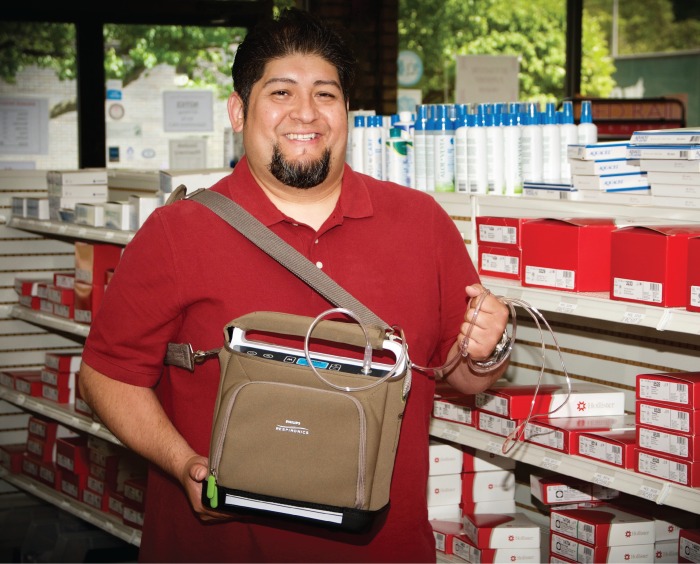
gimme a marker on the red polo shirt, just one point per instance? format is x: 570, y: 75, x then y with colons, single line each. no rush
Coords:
x: 187, y: 273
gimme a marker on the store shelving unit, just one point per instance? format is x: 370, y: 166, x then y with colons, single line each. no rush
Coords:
x: 647, y: 487
x: 105, y: 521
x: 71, y: 230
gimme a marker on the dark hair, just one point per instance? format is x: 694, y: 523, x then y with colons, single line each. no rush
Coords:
x: 294, y: 32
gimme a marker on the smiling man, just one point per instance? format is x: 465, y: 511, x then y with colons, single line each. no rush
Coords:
x: 187, y: 273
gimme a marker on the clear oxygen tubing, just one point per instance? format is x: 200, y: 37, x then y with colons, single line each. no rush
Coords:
x: 441, y: 372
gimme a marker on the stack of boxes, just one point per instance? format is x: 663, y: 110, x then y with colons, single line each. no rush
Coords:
x: 103, y: 475
x: 80, y: 193
x: 59, y: 377
x: 668, y: 415
x: 656, y: 265
x: 601, y: 534
x: 94, y: 262
x: 73, y: 295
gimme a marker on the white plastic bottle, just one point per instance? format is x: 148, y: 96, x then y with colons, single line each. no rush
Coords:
x: 430, y: 150
x: 358, y: 145
x: 397, y: 158
x: 494, y: 153
x: 420, y: 181
x: 512, y: 163
x: 551, y: 146
x: 374, y: 147
x: 476, y: 154
x: 444, y: 149
x: 532, y: 145
x: 569, y: 136
x: 461, y: 170
x: 405, y: 125
x: 587, y: 130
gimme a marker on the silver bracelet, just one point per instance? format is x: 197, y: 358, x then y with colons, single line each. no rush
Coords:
x: 499, y: 355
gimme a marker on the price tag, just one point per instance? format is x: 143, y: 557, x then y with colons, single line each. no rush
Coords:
x: 565, y: 307
x: 603, y: 479
x: 450, y: 435
x: 648, y: 492
x: 549, y: 463
x: 633, y: 318
x: 109, y: 235
x: 494, y: 447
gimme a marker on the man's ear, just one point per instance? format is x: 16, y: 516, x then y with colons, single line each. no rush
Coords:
x: 235, y: 112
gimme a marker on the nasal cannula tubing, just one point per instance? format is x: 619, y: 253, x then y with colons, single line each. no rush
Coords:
x: 539, y: 319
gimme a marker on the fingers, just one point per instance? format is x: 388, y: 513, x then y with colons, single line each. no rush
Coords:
x: 484, y: 323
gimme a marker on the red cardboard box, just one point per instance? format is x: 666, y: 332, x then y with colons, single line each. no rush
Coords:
x: 465, y: 549
x: 693, y: 289
x: 675, y: 389
x: 8, y: 377
x: 64, y: 279
x: 39, y: 448
x: 11, y: 457
x: 611, y: 447
x: 28, y: 382
x: 502, y: 262
x: 689, y: 545
x: 60, y: 295
x: 93, y: 259
x: 562, y: 490
x: 30, y: 466
x: 496, y: 424
x: 672, y: 469
x: 62, y: 362
x: 115, y: 502
x: 71, y: 483
x: 132, y: 513
x: 88, y: 298
x: 664, y: 416
x: 72, y: 454
x: 649, y: 264
x: 494, y: 230
x: 513, y: 530
x: 606, y: 526
x: 135, y: 491
x: 572, y: 550
x: 567, y: 254
x: 94, y: 499
x: 444, y: 532
x: 48, y: 473
x: 29, y: 286
x: 670, y: 443
x: 458, y: 409
x: 561, y: 434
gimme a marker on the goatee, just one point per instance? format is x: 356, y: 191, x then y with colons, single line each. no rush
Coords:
x: 300, y: 175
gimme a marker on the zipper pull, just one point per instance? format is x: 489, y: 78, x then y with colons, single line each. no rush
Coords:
x: 212, y: 491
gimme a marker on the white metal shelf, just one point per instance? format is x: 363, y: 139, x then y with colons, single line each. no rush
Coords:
x: 49, y: 320
x: 58, y: 412
x: 105, y: 521
x: 72, y: 230
x: 656, y: 490
x: 597, y: 305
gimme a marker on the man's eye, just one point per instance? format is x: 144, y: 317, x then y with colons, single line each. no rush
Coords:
x: 280, y: 93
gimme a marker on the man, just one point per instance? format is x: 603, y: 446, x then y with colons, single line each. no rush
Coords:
x: 187, y: 273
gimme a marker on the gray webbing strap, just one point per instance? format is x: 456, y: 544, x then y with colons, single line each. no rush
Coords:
x: 285, y: 254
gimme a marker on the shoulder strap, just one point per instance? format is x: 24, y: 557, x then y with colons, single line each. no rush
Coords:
x: 285, y: 254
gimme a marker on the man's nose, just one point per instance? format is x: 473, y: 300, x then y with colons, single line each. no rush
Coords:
x: 304, y: 109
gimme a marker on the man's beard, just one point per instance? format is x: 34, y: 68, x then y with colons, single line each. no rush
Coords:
x: 300, y: 175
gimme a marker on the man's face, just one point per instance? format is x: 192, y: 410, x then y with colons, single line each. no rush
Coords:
x: 295, y: 132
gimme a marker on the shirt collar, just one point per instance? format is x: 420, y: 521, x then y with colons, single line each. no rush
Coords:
x: 354, y: 201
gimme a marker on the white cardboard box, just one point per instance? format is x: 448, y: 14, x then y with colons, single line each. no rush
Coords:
x: 490, y: 485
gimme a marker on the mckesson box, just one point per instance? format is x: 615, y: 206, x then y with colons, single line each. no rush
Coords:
x: 649, y: 264
x: 675, y: 389
x: 567, y: 254
x: 603, y: 526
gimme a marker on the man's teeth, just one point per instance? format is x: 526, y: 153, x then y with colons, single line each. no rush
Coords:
x: 301, y: 137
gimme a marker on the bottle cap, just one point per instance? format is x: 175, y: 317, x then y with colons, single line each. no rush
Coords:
x: 586, y: 112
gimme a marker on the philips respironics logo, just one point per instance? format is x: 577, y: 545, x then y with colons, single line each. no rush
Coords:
x: 293, y: 427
